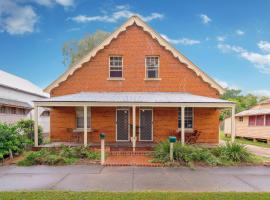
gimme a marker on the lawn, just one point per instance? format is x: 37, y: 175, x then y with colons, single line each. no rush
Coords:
x: 133, y: 196
x: 245, y: 141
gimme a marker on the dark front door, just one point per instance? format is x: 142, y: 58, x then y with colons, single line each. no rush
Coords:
x: 122, y: 125
x: 146, y: 125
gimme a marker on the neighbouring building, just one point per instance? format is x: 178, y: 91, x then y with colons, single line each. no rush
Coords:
x: 137, y: 89
x: 253, y: 123
x: 16, y: 100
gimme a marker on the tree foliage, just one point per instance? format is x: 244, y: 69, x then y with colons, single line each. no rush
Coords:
x: 15, y: 137
x: 243, y: 102
x: 74, y: 50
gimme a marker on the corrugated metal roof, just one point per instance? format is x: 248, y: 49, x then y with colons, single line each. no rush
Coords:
x: 262, y: 111
x: 138, y: 97
x: 21, y: 104
x: 18, y: 83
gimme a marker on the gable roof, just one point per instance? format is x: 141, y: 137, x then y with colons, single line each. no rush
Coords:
x: 162, y: 42
x: 17, y: 83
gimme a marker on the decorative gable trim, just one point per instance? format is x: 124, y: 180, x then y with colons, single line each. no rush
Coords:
x: 154, y: 35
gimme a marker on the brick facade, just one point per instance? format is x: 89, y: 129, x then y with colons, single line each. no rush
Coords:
x: 134, y: 44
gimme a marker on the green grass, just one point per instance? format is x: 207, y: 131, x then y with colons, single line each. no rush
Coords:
x: 245, y: 141
x: 55, y: 195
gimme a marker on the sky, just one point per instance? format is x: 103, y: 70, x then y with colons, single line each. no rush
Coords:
x: 229, y: 40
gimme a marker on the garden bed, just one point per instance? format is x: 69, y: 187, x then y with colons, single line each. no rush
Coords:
x: 231, y: 154
x: 61, y: 156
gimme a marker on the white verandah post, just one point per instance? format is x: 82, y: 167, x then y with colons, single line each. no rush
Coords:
x: 183, y: 125
x: 233, y: 124
x: 85, y: 126
x: 36, y: 125
x: 134, y: 127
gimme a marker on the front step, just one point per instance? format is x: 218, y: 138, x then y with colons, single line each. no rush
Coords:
x: 130, y: 153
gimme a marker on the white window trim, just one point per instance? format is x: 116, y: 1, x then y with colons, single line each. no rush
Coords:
x: 116, y: 78
x: 158, y: 68
x: 88, y: 116
x: 187, y: 129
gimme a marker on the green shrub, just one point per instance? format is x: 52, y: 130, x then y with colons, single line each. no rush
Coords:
x: 234, y: 152
x: 26, y: 127
x: 66, y: 155
x: 11, y: 142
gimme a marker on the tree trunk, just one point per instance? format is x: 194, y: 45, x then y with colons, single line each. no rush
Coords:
x: 10, y: 154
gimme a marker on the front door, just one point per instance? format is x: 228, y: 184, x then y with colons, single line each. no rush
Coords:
x: 146, y: 124
x: 122, y: 125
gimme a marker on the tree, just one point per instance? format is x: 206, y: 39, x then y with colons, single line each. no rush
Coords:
x: 74, y: 50
x: 243, y: 102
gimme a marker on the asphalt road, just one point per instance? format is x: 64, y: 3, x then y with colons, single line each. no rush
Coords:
x: 98, y: 178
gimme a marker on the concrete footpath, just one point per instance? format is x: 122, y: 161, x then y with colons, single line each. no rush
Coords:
x: 98, y: 178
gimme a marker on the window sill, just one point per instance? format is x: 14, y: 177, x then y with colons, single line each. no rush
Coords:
x: 187, y: 130
x: 152, y: 79
x: 80, y: 130
x: 115, y: 79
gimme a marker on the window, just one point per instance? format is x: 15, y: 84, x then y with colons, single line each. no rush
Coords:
x: 240, y: 119
x: 251, y: 120
x: 2, y: 109
x: 259, y: 120
x: 45, y: 113
x: 80, y: 118
x: 267, y: 120
x: 188, y: 118
x: 152, y: 66
x: 116, y: 67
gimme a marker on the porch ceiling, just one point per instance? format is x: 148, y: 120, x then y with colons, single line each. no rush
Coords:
x: 166, y: 99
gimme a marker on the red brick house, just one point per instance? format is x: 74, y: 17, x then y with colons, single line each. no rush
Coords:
x: 137, y: 89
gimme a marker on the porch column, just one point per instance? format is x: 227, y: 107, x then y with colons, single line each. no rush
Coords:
x: 85, y: 126
x: 134, y: 127
x: 233, y: 124
x: 183, y: 125
x: 36, y: 125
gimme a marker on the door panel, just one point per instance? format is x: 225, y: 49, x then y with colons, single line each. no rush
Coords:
x: 146, y: 125
x: 122, y: 128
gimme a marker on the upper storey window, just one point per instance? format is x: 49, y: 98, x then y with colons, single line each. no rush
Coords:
x: 152, y: 67
x: 116, y: 66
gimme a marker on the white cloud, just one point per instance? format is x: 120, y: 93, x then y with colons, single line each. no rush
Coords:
x: 260, y: 61
x: 264, y: 45
x: 221, y: 38
x: 49, y: 3
x: 205, y: 19
x: 17, y: 19
x: 240, y: 32
x: 183, y: 41
x: 122, y: 12
x: 261, y: 93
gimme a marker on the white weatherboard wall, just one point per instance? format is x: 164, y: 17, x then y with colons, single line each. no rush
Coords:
x: 9, y: 93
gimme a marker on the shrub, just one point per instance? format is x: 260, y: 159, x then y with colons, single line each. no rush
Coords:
x: 66, y: 155
x: 26, y: 127
x: 186, y: 154
x: 11, y: 141
x: 234, y: 152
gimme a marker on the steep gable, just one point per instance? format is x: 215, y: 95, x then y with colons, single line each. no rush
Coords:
x: 159, y: 44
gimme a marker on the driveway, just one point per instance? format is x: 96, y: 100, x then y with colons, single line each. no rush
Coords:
x: 98, y: 178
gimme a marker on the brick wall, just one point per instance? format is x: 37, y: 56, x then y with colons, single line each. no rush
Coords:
x: 104, y: 120
x: 134, y: 44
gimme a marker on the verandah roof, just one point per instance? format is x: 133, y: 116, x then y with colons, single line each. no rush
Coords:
x: 261, y: 111
x: 135, y: 97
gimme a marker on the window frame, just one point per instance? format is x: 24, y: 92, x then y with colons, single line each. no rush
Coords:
x: 146, y: 68
x: 122, y: 68
x: 89, y: 117
x: 267, y: 116
x: 249, y: 120
x: 263, y: 122
x: 179, y: 119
